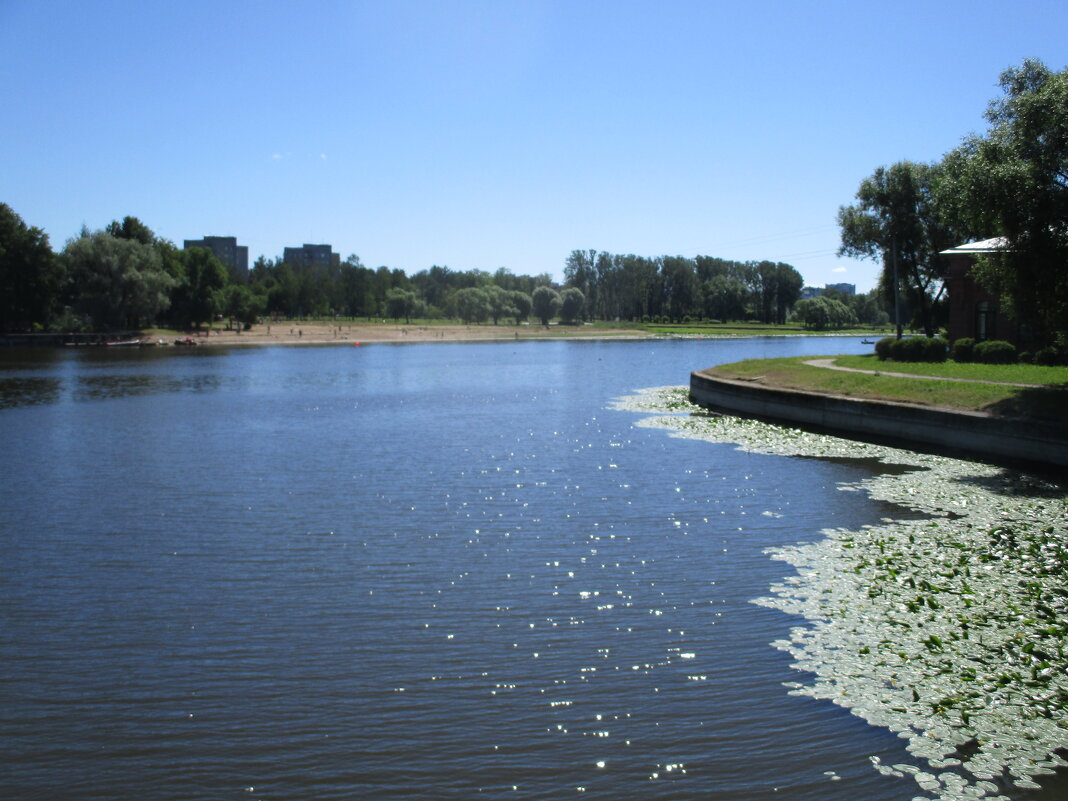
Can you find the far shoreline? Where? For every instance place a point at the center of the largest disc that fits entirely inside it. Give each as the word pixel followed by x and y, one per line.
pixel 318 332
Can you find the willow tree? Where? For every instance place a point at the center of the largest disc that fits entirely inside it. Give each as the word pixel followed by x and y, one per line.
pixel 119 283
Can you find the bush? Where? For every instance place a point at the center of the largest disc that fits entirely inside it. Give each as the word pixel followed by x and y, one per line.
pixel 1047 357
pixel 995 351
pixel 935 349
pixel 882 348
pixel 913 349
pixel 1025 357
pixel 964 349
pixel 907 350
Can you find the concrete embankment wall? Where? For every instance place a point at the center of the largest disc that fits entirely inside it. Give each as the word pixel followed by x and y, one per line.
pixel 918 428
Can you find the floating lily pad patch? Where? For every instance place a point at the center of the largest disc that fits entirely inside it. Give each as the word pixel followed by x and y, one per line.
pixel 949 627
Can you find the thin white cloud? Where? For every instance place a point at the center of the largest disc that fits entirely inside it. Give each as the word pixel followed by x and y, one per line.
pixel 276 156
pixel 840 270
pixel 322 156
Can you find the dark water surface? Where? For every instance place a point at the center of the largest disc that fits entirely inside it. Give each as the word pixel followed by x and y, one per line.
pixel 399 572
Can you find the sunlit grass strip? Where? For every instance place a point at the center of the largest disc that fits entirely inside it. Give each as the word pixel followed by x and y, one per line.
pixel 1012 373
pixel 745 329
pixel 793 373
pixel 952 632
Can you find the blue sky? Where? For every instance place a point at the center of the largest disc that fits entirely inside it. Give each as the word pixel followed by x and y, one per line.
pixel 494 134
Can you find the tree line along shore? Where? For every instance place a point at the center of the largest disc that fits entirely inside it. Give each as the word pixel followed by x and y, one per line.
pixel 124 277
pixel 1008 185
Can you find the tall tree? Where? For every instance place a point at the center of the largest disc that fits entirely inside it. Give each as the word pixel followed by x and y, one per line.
pixel 500 302
pixel 725 298
pixel 680 291
pixel 131 228
pixel 472 304
pixel 119 283
pixel 546 302
pixel 401 303
pixel 521 304
pixel 572 305
pixel 897 220
pixel 580 271
pixel 198 298
pixel 1012 182
pixel 30 276
pixel 788 285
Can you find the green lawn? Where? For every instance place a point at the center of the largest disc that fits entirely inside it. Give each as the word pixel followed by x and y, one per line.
pixel 1047 402
pixel 742 329
pixel 1013 373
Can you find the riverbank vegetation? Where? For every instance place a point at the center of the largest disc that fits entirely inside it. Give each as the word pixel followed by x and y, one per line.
pixel 947 630
pixel 1045 400
pixel 124 277
pixel 1007 185
pixel 1002 373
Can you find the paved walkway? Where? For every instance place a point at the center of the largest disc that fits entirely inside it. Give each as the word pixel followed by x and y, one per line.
pixel 830 365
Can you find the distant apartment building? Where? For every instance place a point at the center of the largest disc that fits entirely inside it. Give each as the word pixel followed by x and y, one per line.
pixel 843 289
pixel 312 256
pixel 233 256
pixel 809 292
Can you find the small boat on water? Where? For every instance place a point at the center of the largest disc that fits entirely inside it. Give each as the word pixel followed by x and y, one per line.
pixel 867 342
pixel 124 343
pixel 186 342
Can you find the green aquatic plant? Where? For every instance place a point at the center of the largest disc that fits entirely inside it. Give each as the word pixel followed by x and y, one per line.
pixel 969 609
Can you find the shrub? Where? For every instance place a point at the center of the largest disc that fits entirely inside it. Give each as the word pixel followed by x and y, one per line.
pixel 882 348
pixel 913 349
pixel 1047 357
pixel 963 349
pixel 908 350
pixel 935 349
pixel 1025 357
pixel 995 351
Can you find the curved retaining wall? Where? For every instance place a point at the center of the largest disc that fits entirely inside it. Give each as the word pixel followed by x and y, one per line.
pixel 917 428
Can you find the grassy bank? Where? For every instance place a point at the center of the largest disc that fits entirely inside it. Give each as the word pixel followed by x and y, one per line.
pixel 742 329
pixel 1008 373
pixel 1046 401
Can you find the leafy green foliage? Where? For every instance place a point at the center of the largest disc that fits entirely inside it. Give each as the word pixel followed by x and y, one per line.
pixel 402 303
pixel 1013 182
pixel 673 288
pixel 963 349
pixel 197 298
pixel 239 303
pixel 1047 357
pixel 546 303
pixel 500 302
pixel 133 229
pixel 118 283
pixel 918 349
pixel 572 305
pixel 472 304
pixel 897 218
pixel 522 305
pixel 882 347
pixel 822 313
pixel 30 277
pixel 995 351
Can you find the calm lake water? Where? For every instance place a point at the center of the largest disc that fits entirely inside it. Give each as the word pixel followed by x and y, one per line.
pixel 401 572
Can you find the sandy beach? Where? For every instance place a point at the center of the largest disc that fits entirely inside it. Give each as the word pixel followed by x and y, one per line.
pixel 324 333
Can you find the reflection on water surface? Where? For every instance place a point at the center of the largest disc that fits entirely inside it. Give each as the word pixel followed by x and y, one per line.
pixel 404 572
